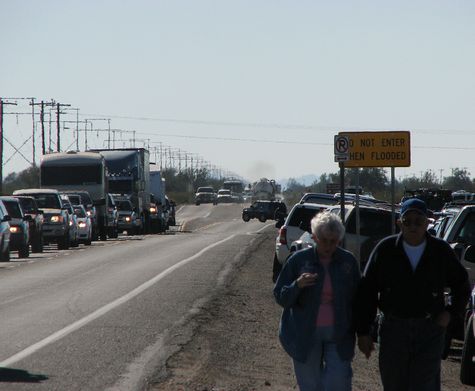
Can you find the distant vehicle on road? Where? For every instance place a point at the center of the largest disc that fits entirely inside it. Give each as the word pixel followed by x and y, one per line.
pixel 129 220
pixel 205 194
pixel 4 234
pixel 84 225
pixel 224 196
pixel 264 210
pixel 19 226
pixel 30 208
pixel 56 216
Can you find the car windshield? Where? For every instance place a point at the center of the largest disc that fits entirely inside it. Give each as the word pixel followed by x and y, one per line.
pixel 75 199
pixel 13 209
pixel 224 192
pixel 302 215
pixel 124 205
pixel 27 204
pixel 80 212
pixel 48 201
pixel 205 190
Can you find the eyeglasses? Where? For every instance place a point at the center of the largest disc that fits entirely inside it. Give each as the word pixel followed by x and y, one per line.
pixel 415 222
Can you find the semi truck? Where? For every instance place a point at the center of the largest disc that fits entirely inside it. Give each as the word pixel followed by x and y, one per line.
pixel 79 171
pixel 128 174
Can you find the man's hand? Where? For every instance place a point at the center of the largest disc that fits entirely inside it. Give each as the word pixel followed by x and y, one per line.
pixel 366 345
pixel 306 279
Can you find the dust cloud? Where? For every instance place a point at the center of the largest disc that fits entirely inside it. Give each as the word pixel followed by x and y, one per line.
pixel 260 169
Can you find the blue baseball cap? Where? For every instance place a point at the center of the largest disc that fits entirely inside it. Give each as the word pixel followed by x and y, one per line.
pixel 414 204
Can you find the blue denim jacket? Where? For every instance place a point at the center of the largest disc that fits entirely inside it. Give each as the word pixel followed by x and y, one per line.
pixel 299 316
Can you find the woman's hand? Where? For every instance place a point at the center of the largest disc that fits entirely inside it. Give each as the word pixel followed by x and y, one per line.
pixel 306 279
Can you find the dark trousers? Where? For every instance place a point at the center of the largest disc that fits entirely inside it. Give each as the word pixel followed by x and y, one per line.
pixel 410 354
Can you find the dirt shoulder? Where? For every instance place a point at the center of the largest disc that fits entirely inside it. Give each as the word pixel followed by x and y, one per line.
pixel 235 346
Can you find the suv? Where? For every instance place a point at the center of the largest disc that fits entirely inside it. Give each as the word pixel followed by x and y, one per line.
pixel 128 219
pixel 296 223
pixel 19 227
pixel 319 198
pixel 467 367
pixel 56 216
pixel 264 210
pixel 4 234
pixel 375 224
pixel 205 195
pixel 30 208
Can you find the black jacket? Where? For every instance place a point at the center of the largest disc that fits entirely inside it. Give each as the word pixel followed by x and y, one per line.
pixel 390 284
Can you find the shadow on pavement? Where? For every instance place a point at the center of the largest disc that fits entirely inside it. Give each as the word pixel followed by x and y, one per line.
pixel 12 375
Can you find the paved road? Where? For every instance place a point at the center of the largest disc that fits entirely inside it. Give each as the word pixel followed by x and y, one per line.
pixel 103 317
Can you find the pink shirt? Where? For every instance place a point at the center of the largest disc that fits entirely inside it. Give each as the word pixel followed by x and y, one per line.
pixel 326 315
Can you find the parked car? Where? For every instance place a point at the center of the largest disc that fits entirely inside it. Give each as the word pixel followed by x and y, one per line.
pixel 19 226
pixel 264 210
pixel 30 208
pixel 205 195
pixel 56 216
pixel 224 196
pixel 467 367
pixel 112 217
pixel 296 223
pixel 128 219
pixel 4 234
pixel 84 225
pixel 375 224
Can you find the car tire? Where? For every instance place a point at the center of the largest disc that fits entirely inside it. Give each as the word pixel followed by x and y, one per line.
pixel 37 245
pixel 5 255
pixel 63 243
pixel 467 367
pixel 24 252
pixel 246 217
pixel 197 203
pixel 262 218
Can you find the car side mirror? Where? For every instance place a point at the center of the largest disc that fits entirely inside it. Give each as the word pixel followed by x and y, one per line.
pixel 432 231
pixel 7 218
pixel 469 254
pixel 279 223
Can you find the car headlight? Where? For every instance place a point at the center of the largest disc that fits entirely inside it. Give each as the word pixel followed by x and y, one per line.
pixel 14 229
pixel 57 219
pixel 127 218
pixel 153 209
pixel 82 224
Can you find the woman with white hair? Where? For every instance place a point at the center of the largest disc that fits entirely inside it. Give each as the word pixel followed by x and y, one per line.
pixel 316 288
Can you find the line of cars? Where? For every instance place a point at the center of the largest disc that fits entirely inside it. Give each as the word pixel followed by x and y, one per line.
pixel 207 195
pixel 33 218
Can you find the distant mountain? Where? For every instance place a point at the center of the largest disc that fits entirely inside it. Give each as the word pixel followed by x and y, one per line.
pixel 305 180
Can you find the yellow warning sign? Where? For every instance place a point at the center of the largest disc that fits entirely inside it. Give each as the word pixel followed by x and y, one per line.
pixel 378 149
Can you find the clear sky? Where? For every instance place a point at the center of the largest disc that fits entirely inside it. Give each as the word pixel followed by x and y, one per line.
pixel 256 87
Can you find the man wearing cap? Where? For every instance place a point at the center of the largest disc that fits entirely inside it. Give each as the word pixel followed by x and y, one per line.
pixel 405 279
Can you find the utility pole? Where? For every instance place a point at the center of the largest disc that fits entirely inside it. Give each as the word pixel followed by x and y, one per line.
pixel 42 105
pixel 2 104
pixel 58 124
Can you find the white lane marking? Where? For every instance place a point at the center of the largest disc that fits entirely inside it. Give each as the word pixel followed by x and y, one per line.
pixel 103 310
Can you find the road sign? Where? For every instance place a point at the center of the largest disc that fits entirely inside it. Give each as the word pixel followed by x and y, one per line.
pixel 377 149
pixel 341 148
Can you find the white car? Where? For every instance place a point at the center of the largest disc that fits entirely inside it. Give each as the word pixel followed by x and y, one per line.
pixel 296 223
pixel 84 225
